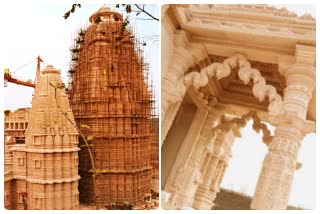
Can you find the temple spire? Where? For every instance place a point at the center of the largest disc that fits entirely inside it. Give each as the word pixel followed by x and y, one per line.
pixel 39 60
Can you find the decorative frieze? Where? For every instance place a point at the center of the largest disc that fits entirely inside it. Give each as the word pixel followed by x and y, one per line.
pixel 236 123
pixel 217 16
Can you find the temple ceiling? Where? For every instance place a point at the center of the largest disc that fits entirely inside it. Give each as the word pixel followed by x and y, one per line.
pixel 231 90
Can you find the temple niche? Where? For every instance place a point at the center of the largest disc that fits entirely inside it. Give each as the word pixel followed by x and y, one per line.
pixel 225 65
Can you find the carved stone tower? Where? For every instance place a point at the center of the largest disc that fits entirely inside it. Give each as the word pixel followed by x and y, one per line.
pixel 112 106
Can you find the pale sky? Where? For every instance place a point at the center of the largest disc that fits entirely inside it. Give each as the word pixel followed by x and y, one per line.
pixel 40 29
pixel 248 153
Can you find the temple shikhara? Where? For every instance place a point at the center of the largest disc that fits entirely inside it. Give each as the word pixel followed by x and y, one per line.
pixel 42 172
pixel 94 143
pixel 111 102
pixel 223 65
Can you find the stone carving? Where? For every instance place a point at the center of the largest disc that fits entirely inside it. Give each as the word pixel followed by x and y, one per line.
pixel 246 73
pixel 237 123
pixel 257 9
pixel 252 11
pixel 260 89
pixel 283 151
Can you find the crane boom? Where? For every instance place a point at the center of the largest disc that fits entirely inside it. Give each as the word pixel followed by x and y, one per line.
pixel 19 82
pixel 9 78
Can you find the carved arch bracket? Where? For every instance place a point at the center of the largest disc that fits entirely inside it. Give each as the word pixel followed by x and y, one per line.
pixel 246 74
pixel 238 123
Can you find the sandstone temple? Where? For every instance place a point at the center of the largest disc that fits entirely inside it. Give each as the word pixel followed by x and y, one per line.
pixel 224 65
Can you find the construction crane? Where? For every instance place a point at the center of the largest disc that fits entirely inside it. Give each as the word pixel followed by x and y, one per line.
pixel 9 78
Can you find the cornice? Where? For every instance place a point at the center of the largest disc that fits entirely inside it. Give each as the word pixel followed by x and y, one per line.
pixel 212 20
pixel 45 150
pixel 259 11
pixel 52 181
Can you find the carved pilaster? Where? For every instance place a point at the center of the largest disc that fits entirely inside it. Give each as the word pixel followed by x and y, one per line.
pixel 203 197
pixel 208 189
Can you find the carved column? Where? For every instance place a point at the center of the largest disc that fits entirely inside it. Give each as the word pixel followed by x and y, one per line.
pixel 203 198
pixel 207 191
pixel 274 185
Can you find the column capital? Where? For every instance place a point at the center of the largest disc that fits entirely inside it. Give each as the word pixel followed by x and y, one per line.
pixel 301 73
pixel 223 144
pixel 291 121
pixel 301 68
pixel 301 82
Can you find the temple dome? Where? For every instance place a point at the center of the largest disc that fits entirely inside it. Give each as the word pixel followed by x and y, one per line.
pixel 107 13
pixel 50 69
